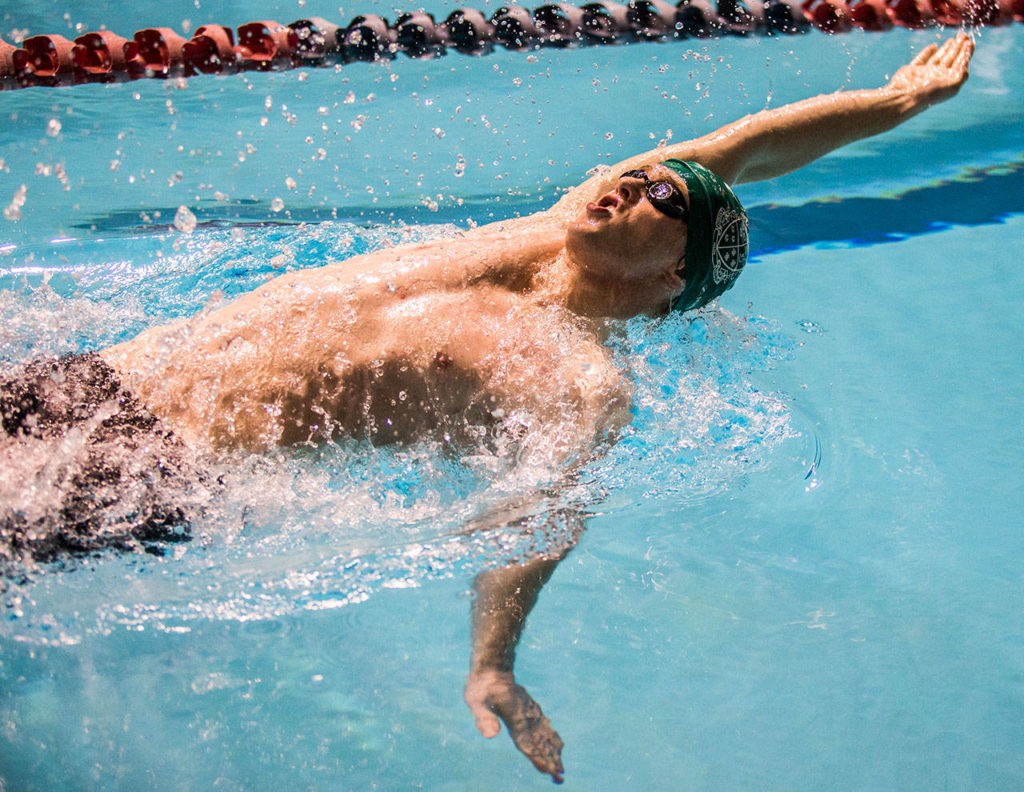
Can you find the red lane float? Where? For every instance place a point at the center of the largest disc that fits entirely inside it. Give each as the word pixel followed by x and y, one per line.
pixel 266 44
pixel 831 16
pixel 160 51
pixel 103 53
pixel 211 50
pixel 7 59
pixel 45 58
pixel 913 14
pixel 872 15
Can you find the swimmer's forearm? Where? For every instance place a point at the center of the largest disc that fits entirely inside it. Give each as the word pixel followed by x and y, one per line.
pixel 504 598
pixel 775 142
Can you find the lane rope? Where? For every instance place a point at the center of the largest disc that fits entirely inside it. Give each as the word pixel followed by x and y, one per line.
pixel 161 52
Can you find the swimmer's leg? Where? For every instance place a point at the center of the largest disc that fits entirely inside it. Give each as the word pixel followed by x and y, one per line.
pixel 504 599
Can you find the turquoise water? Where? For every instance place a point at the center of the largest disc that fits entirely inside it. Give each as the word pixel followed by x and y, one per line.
pixel 801 568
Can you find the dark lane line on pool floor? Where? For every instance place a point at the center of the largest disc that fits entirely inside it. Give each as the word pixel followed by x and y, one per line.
pixel 979 197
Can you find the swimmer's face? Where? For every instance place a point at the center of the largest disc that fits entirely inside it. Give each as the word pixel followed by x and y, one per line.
pixel 627 233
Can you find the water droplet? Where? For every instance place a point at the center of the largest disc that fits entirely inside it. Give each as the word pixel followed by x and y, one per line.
pixel 809 326
pixel 184 220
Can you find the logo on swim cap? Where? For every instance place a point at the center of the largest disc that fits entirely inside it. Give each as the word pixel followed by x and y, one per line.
pixel 729 245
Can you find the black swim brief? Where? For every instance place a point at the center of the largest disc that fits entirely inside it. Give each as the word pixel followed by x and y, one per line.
pixel 86 466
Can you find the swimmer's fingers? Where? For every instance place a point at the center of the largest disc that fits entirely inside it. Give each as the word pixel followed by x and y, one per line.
pixel 494 694
pixel 946 53
pixel 963 56
pixel 925 55
pixel 951 50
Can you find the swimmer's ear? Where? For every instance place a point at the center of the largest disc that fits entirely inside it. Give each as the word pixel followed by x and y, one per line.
pixel 673 278
pixel 672 284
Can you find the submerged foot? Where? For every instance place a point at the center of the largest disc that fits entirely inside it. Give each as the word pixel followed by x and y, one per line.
pixel 495 693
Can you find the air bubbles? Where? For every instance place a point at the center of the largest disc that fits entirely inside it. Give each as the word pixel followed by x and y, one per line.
pixel 276 205
pixel 809 326
pixel 52 127
pixel 460 167
pixel 289 183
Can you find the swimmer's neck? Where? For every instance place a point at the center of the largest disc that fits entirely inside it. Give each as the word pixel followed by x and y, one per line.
pixel 569 283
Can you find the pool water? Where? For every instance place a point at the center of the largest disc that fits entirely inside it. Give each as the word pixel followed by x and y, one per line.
pixel 801 568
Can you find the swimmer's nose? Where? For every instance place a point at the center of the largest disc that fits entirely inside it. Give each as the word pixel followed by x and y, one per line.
pixel 631 190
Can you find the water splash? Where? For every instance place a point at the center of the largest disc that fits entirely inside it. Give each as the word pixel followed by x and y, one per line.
pixel 322 528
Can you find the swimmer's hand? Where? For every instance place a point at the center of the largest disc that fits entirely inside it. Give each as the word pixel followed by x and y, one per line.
pixel 937 73
pixel 490 693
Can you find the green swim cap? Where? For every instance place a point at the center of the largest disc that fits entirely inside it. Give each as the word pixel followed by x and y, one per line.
pixel 716 236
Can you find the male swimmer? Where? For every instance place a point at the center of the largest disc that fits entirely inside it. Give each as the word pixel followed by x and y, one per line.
pixel 499 328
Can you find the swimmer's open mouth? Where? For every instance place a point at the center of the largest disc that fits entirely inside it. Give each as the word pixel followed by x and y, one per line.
pixel 606 204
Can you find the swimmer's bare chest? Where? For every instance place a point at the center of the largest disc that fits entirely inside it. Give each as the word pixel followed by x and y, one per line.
pixel 406 359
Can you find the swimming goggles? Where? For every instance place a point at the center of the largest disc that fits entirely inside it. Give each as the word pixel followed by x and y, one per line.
pixel 663 195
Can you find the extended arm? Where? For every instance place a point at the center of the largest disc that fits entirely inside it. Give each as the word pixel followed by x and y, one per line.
pixel 775 142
